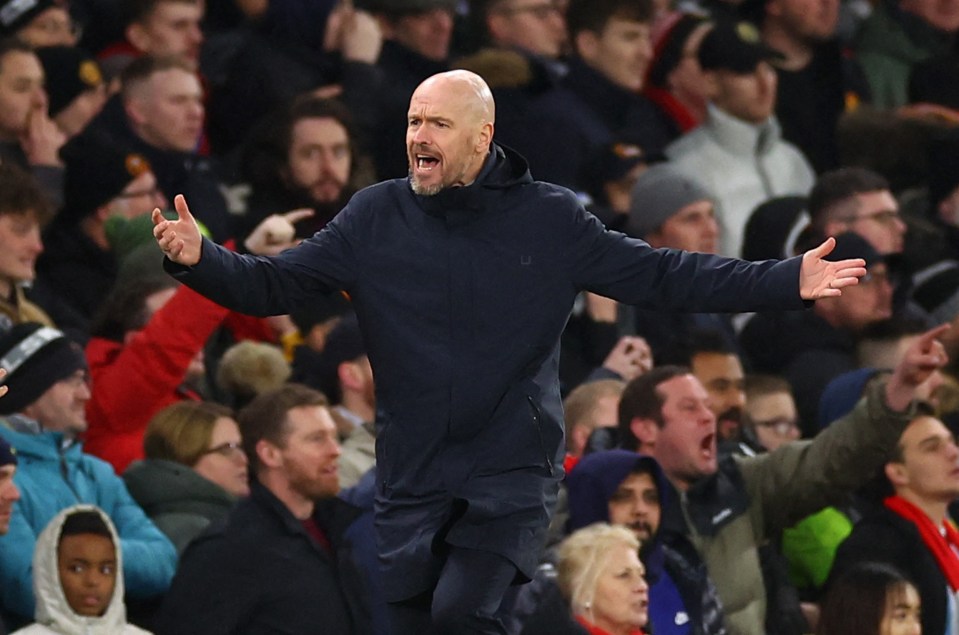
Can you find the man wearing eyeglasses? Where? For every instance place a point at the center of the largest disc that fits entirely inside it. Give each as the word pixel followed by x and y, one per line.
pixel 857 200
pixel 42 416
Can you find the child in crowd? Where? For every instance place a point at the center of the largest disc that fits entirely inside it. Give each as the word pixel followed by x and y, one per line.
pixel 871 599
pixel 77 577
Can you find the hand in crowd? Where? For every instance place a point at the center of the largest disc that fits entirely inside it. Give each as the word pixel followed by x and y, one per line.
pixel 180 240
pixel 355 34
pixel 819 278
pixel 275 233
pixel 43 139
pixel 924 357
pixel 630 358
pixel 3 389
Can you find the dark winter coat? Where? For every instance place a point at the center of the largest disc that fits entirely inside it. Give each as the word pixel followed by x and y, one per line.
pixel 261 572
pixel 462 298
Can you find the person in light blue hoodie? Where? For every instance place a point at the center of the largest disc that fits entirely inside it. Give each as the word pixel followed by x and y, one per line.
pixel 41 417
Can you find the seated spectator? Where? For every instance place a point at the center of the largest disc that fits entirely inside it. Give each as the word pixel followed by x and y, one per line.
pixel 28 137
pixel 44 416
pixel 896 36
pixel 871 599
pixel 162 119
pixel 39 22
pixel 280 562
pixel 305 156
pixel 23 211
pixel 417 35
pixel 910 527
pixel 675 80
pixel 9 494
pixel 74 85
pixel 249 368
pixel 816 345
pixel 159 28
pixel 78 576
pixel 738 153
pixel 630 490
pixel 79 265
pixel 669 209
pixel 193 472
pixel 589 406
pixel 602 579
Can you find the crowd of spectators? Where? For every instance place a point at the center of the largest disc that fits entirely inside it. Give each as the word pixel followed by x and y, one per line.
pixel 224 464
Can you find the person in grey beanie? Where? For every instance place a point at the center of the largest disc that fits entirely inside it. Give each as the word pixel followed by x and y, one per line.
pixel 669 209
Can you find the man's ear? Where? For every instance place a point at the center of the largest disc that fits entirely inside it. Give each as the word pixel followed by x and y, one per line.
pixel 645 430
pixel 896 473
pixel 587 44
pixel 268 454
pixel 137 36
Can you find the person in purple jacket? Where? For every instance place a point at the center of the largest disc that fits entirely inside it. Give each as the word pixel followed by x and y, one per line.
pixel 463 276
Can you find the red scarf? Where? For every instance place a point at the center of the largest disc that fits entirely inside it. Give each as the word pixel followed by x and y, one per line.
pixel 595 630
pixel 941 547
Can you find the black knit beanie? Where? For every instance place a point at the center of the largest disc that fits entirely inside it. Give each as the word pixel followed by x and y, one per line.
pixel 35 358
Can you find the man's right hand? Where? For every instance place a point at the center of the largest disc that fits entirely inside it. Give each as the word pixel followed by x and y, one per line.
pixel 925 356
pixel 180 240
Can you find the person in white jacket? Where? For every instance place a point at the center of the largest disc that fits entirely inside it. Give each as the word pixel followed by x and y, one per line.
pixel 78 577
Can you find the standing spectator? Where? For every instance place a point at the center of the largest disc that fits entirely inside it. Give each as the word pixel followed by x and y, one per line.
pixel 589 406
pixel 738 153
pixel 193 472
pixel 281 561
pixel 43 419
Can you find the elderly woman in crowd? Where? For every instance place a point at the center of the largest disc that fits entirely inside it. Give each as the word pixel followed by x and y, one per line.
pixel 601 577
pixel 194 470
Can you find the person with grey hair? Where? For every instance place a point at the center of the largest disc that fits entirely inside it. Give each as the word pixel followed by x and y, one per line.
pixel 603 580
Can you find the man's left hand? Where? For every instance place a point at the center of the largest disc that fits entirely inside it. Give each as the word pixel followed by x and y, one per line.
pixel 820 278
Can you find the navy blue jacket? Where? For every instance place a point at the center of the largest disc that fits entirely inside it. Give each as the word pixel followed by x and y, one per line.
pixel 462 298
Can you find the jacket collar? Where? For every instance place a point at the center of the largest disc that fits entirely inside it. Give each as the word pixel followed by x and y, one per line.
pixel 710 504
pixel 740 137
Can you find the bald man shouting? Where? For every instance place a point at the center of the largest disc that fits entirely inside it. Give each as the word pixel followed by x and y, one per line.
pixel 463 276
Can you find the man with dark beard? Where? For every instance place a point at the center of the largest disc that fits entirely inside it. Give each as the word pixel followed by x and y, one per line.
pixel 718 368
pixel 304 156
pixel 281 562
pixel 629 489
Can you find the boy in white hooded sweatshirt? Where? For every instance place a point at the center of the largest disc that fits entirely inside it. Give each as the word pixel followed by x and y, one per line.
pixel 77 577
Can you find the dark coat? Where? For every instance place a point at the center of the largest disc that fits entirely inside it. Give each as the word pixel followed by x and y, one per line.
pixel 180 502
pixel 261 572
pixel 462 298
pixel 884 536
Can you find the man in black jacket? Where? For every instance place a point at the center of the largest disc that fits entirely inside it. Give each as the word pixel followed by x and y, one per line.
pixel 463 277
pixel 281 562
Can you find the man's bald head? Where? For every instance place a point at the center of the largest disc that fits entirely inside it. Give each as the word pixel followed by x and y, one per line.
pixel 473 89
pixel 449 131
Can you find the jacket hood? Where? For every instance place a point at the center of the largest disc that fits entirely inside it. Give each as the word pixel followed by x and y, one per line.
pixel 160 486
pixel 504 168
pixel 53 610
pixel 597 476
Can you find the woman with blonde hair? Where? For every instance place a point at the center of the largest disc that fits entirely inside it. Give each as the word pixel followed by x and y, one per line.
pixel 600 575
pixel 194 471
